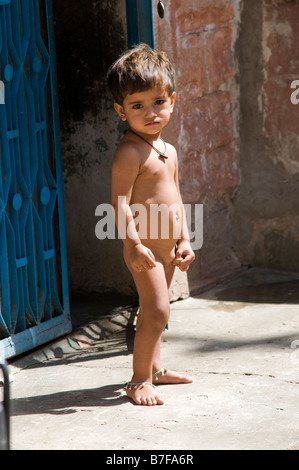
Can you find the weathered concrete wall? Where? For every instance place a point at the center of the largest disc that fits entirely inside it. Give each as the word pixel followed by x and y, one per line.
pixel 89 37
pixel 203 129
pixel 200 38
pixel 234 126
pixel 266 207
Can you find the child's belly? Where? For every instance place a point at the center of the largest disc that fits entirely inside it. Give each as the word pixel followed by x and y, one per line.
pixel 157 212
pixel 158 225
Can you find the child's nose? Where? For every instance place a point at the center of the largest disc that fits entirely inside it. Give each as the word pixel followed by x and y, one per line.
pixel 150 112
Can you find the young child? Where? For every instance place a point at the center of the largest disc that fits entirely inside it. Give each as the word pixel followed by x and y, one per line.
pixel 145 175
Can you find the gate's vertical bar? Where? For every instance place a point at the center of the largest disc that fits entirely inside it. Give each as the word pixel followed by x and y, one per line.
pixel 57 150
pixel 140 22
pixel 5 439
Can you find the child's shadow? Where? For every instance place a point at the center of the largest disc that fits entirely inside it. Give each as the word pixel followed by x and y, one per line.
pixel 68 401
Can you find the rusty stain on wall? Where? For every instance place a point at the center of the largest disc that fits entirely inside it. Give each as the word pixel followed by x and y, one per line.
pixel 266 206
pixel 234 126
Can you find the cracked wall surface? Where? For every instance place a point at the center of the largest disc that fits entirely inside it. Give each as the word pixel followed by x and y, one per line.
pixel 265 228
pixel 234 126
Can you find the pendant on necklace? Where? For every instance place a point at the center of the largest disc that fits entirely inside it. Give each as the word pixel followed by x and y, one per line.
pixel 161 154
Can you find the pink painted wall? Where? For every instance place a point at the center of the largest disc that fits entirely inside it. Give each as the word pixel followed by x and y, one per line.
pixel 234 126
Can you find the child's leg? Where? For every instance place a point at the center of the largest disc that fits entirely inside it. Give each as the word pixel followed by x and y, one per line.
pixel 169 271
pixel 154 304
pixel 168 376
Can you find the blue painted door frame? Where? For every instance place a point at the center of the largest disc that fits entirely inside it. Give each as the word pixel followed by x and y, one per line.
pixel 140 22
pixel 34 299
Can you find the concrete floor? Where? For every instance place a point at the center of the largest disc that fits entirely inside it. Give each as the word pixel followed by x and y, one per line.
pixel 239 341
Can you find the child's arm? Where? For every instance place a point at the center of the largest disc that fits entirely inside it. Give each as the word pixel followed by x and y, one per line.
pixel 184 253
pixel 125 169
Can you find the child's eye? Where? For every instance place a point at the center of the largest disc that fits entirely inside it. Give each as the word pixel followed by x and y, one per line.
pixel 137 106
pixel 160 102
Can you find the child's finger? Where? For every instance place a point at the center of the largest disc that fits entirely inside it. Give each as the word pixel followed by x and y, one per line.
pixel 150 264
pixel 184 264
pixel 151 260
pixel 188 258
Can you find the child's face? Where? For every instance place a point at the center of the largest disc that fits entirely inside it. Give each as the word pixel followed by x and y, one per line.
pixel 147 112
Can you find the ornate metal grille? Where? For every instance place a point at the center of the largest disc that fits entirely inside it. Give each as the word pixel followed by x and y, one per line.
pixel 34 301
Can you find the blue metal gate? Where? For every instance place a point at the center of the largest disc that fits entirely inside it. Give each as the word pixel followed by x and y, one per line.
pixel 34 300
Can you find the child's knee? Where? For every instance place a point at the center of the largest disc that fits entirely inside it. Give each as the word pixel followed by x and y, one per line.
pixel 160 316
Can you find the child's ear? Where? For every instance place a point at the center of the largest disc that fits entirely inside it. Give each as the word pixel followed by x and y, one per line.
pixel 120 111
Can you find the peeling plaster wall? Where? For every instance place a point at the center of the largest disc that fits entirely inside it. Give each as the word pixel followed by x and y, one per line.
pixel 266 207
pixel 200 38
pixel 234 127
pixel 89 37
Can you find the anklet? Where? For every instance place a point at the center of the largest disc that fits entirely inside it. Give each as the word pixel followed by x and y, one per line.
pixel 132 385
pixel 161 371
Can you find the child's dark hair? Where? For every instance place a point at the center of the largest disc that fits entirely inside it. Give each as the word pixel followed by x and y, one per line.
pixel 140 69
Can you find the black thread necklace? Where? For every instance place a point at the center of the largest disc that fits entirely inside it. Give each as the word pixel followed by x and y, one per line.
pixel 161 154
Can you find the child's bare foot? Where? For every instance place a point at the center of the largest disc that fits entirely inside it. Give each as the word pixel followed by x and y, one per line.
pixel 143 393
pixel 167 376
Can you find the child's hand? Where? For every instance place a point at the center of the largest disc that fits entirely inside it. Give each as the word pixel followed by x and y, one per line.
pixel 184 256
pixel 142 258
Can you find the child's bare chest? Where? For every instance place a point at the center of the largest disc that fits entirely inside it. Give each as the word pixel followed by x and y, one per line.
pixel 156 183
pixel 157 169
